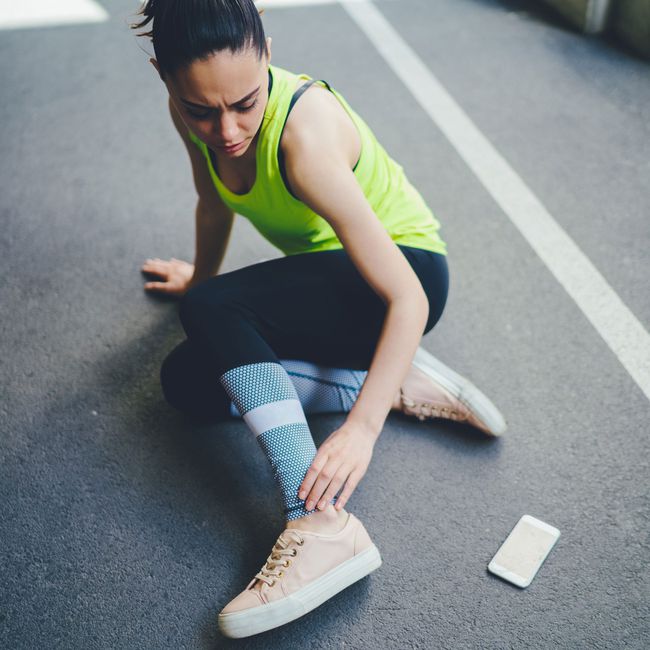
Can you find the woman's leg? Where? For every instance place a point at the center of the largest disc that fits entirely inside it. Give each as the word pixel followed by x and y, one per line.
pixel 187 377
pixel 314 307
pixel 188 384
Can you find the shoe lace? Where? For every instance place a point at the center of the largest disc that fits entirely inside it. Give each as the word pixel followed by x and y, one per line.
pixel 423 410
pixel 271 572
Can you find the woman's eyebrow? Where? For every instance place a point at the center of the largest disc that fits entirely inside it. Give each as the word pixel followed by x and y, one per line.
pixel 243 99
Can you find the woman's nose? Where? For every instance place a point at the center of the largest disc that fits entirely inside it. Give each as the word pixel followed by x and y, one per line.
pixel 227 129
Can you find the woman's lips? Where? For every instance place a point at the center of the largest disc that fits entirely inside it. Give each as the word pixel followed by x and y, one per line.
pixel 232 147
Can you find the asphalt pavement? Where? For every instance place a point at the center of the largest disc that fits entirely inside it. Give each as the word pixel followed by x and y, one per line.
pixel 123 525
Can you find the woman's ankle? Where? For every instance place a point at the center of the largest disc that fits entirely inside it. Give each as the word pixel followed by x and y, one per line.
pixel 326 520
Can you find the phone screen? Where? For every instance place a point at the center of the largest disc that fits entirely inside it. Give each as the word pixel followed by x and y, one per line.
pixel 525 549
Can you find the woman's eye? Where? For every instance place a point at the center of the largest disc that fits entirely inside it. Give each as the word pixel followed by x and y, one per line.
pixel 197 115
pixel 240 109
pixel 243 109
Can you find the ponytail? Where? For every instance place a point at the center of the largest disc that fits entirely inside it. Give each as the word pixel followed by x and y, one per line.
pixel 183 31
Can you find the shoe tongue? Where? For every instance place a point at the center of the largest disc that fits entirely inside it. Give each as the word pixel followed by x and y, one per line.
pixel 300 530
pixel 285 539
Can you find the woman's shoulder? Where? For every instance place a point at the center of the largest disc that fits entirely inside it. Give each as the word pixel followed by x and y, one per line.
pixel 318 117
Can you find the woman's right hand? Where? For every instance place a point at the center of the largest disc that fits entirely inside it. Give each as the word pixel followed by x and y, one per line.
pixel 175 276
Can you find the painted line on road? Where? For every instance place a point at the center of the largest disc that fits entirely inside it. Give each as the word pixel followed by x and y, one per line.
pixel 615 323
pixel 15 14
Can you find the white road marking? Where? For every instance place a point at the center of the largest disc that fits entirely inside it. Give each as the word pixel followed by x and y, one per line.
pixel 597 12
pixel 617 325
pixel 15 14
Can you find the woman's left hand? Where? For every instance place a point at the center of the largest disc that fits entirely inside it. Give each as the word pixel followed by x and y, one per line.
pixel 342 458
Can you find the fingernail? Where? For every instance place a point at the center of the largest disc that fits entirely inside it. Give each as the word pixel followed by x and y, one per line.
pixel 310 505
pixel 301 495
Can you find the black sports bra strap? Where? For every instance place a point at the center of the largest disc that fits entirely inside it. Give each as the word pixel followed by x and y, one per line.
pixel 302 89
pixel 294 99
pixel 299 92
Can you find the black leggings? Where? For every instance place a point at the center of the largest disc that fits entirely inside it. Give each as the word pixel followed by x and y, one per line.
pixel 314 306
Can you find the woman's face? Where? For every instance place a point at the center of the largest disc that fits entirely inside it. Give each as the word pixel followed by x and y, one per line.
pixel 222 99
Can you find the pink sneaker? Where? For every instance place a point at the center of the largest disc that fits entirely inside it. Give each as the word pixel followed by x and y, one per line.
pixel 432 390
pixel 303 570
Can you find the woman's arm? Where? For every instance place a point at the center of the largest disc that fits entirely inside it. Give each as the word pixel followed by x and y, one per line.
pixel 327 184
pixel 213 223
pixel 320 175
pixel 213 218
pixel 212 237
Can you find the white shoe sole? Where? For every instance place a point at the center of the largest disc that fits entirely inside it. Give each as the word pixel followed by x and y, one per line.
pixel 265 617
pixel 463 389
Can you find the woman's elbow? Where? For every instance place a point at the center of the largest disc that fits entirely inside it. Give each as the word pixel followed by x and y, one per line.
pixel 415 302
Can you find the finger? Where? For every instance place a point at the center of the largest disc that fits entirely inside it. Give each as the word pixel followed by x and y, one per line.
pixel 350 487
pixel 158 286
pixel 312 473
pixel 155 267
pixel 334 486
pixel 163 275
pixel 157 264
pixel 324 478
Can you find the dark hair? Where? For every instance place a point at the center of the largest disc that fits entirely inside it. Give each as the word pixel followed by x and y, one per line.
pixel 186 30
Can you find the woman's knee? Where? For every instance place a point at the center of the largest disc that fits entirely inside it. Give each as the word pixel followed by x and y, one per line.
pixel 207 302
pixel 190 387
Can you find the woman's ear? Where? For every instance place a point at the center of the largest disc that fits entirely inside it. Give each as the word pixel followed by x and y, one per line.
pixel 268 48
pixel 155 65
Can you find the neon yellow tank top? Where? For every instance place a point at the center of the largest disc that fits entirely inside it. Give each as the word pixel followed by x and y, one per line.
pixel 292 226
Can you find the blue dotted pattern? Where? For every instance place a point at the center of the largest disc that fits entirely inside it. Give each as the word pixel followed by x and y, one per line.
pixel 321 389
pixel 290 450
pixel 289 447
pixel 256 384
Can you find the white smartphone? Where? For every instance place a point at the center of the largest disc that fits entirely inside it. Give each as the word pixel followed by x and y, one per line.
pixel 524 550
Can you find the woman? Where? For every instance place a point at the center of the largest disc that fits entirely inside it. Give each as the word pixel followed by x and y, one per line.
pixel 332 326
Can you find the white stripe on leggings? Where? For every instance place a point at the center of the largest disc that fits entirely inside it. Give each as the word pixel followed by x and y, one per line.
pixel 274 414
